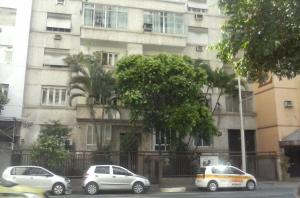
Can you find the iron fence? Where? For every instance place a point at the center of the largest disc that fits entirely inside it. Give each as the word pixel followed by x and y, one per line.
pixel 152 164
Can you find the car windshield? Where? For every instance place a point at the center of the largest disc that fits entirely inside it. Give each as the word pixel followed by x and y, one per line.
pixel 201 170
pixel 6 183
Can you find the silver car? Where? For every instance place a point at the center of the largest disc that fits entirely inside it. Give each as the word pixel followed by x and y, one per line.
pixel 39 177
pixel 112 177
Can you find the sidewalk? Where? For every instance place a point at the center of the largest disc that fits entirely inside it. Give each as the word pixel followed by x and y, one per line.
pixel 76 186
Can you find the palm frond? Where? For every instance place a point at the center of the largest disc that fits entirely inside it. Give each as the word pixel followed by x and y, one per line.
pixel 75 95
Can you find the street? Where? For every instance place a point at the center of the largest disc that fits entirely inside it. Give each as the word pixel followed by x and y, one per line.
pixel 272 191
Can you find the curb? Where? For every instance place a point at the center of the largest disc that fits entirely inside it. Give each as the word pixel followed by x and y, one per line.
pixel 174 189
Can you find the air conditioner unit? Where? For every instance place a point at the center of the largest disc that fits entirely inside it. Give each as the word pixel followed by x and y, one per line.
pixel 57 37
pixel 199 48
pixel 60 2
pixel 288 104
pixel 147 27
pixel 198 17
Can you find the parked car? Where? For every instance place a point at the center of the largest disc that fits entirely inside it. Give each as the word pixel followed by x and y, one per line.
pixel 111 177
pixel 38 177
pixel 215 177
pixel 10 189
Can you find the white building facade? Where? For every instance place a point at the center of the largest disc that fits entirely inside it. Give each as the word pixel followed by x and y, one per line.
pixel 14 34
pixel 117 28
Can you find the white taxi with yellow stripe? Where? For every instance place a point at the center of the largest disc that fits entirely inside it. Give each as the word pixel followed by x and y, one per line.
pixel 215 177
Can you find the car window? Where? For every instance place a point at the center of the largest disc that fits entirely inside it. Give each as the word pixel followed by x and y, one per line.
pixel 18 171
pixel 37 171
pixel 215 170
pixel 236 171
pixel 102 170
pixel 201 170
pixel 120 171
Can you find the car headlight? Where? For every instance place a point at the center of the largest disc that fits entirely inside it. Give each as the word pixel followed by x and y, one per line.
pixel 67 180
pixel 32 195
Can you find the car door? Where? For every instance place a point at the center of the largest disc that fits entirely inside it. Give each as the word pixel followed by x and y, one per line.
pixel 236 177
pixel 103 177
pixel 19 175
pixel 122 178
pixel 40 178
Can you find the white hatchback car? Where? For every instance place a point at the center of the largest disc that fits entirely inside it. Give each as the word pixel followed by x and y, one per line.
pixel 215 177
pixel 36 176
pixel 111 177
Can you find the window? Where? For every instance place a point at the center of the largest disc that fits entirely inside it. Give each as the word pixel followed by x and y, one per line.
pixel 232 102
pixel 54 96
pixel 201 141
pixel 35 171
pixel 102 170
pixel 164 138
pixel 18 171
pixel 164 22
pixel 120 171
pixel 60 2
pixel 197 36
pixel 105 16
pixel 4 89
pixel 103 130
pixel 59 22
pixel 91 136
pixel 109 58
pixel 6 52
pixel 7 16
pixel 197 7
pixel 55 57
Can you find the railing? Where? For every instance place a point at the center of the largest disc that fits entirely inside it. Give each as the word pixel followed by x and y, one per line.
pixel 170 164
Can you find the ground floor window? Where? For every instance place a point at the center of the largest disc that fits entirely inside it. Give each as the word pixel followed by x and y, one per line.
pixel 202 141
pixel 104 134
pixel 164 138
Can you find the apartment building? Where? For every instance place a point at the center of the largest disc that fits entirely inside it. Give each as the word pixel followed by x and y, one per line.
pixel 278 120
pixel 120 28
pixel 14 34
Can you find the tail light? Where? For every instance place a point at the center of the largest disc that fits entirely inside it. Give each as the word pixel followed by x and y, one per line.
pixel 85 175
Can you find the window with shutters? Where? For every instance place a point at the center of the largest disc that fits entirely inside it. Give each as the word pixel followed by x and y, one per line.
pixel 55 57
pixel 59 22
pixel 7 16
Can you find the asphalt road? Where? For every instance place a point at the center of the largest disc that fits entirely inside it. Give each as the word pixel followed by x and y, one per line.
pixel 274 192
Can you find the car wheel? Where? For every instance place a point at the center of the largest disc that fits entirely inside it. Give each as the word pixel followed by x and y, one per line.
pixel 212 186
pixel 138 188
pixel 58 189
pixel 91 188
pixel 250 185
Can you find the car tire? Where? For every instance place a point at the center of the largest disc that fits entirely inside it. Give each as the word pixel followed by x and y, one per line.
pixel 58 189
pixel 91 188
pixel 138 188
pixel 212 186
pixel 250 185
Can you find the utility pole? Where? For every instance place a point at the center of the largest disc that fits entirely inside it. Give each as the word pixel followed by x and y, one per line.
pixel 244 167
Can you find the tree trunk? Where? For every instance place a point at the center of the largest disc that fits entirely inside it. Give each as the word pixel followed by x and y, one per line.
pixel 217 102
pixel 98 139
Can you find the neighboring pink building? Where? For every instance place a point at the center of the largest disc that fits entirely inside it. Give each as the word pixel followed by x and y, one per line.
pixel 278 119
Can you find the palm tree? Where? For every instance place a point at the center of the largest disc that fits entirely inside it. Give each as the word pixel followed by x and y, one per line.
pixel 90 80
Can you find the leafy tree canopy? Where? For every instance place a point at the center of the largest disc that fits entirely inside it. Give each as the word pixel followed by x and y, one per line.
pixel 50 147
pixel 266 33
pixel 165 90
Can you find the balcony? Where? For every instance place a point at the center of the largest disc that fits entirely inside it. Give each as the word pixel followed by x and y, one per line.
pixel 146 38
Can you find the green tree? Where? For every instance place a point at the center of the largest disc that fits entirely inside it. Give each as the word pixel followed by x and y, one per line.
pixel 3 101
pixel 164 91
pixel 50 147
pixel 261 37
pixel 90 80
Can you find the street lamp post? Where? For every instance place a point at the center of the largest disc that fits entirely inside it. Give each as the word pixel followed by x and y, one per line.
pixel 244 167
